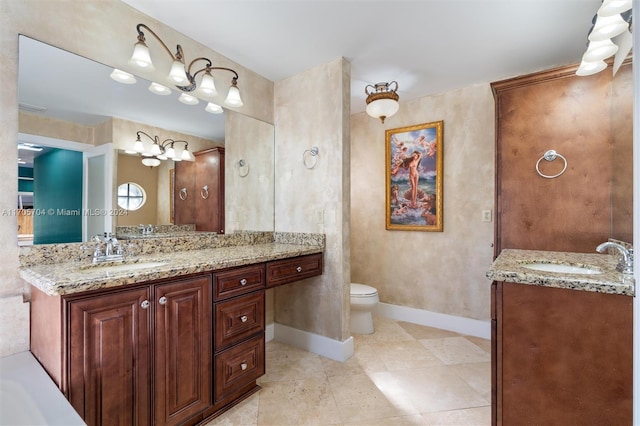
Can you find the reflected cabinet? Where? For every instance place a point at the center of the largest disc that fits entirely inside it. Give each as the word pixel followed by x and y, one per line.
pixel 199 191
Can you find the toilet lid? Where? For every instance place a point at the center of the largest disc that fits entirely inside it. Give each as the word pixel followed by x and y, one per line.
pixel 359 290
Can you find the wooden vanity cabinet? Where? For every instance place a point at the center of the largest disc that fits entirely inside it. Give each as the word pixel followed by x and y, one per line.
pixel 286 271
pixel 561 356
pixel 199 191
pixel 124 353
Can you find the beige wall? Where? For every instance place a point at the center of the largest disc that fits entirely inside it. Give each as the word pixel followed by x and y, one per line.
pixel 436 271
pixel 131 169
pixel 101 30
pixel 305 119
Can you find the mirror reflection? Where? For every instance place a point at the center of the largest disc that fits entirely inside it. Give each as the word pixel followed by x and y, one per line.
pixel 76 109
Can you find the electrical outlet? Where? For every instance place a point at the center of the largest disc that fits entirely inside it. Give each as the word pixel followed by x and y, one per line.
pixel 486 215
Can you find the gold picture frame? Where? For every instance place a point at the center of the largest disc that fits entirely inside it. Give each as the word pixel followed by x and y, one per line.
pixel 414 172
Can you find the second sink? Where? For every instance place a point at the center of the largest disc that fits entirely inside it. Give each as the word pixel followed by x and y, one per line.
pixel 562 268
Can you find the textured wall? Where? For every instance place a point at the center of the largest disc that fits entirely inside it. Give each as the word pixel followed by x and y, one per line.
pixel 312 109
pixel 131 169
pixel 102 30
pixel 435 271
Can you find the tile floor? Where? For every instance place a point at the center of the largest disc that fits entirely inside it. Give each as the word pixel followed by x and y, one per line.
pixel 403 374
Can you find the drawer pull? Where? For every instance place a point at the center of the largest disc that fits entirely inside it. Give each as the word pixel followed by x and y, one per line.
pixel 299 269
pixel 243 281
pixel 243 366
pixel 145 304
pixel 243 318
pixel 162 300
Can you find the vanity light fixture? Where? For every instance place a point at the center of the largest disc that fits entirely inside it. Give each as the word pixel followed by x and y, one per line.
pixel 612 19
pixel 164 150
pixel 382 100
pixel 184 77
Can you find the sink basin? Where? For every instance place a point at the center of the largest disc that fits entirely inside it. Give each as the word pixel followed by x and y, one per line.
pixel 125 266
pixel 562 268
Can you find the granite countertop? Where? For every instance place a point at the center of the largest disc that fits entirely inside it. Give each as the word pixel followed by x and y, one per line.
pixel 508 266
pixel 75 277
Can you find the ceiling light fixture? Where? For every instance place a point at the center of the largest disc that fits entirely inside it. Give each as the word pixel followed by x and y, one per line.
pixel 382 101
pixel 164 150
pixel 29 147
pixel 182 76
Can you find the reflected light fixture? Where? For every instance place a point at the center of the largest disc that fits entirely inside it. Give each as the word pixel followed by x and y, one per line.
pixel 164 150
pixel 182 76
pixel 382 100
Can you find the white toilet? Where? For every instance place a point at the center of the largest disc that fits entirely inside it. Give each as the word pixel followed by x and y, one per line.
pixel 364 299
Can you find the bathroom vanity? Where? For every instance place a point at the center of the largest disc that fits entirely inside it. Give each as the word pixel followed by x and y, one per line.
pixel 561 339
pixel 173 338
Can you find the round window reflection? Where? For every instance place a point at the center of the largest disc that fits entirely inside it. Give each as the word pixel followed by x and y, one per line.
pixel 131 196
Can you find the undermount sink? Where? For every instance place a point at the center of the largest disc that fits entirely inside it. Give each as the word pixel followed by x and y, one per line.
pixel 562 268
pixel 125 266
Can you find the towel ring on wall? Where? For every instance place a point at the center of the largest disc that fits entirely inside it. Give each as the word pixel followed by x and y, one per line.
pixel 551 155
pixel 313 152
pixel 243 168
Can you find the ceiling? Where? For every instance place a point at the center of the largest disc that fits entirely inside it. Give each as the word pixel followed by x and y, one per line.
pixel 427 46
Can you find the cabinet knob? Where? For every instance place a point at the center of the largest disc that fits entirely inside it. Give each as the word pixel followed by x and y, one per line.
pixel 243 281
pixel 243 318
pixel 243 366
pixel 299 269
pixel 162 300
pixel 144 304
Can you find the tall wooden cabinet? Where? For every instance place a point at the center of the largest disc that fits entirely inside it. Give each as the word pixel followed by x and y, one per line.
pixel 199 191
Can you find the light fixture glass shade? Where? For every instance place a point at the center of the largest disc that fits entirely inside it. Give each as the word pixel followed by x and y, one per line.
pixel 213 108
pixel 177 75
pixel 233 97
pixel 187 155
pixel 614 7
pixel 382 108
pixel 170 152
pixel 122 76
pixel 155 149
pixel 589 68
pixel 159 89
pixel 608 27
pixel 599 50
pixel 207 86
pixel 188 99
pixel 141 58
pixel 151 162
pixel 130 151
pixel 138 146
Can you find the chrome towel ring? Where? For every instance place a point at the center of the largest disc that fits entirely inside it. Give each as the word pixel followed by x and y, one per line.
pixel 243 168
pixel 312 153
pixel 551 155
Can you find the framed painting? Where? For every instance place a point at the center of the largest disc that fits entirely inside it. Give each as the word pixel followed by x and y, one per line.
pixel 414 157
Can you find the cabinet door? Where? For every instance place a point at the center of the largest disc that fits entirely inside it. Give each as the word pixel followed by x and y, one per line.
pixel 182 349
pixel 184 196
pixel 109 358
pixel 209 178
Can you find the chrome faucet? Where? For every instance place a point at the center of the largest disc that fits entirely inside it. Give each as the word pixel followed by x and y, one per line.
pixel 111 244
pixel 146 230
pixel 625 263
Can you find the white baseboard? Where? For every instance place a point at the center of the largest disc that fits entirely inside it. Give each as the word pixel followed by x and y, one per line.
pixel 468 326
pixel 269 332
pixel 321 345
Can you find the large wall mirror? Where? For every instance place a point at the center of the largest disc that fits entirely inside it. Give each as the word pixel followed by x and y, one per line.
pixel 75 124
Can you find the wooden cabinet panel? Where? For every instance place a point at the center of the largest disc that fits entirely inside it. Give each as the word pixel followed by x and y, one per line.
pixel 238 281
pixel 182 349
pixel 209 181
pixel 238 366
pixel 289 270
pixel 109 346
pixel 562 356
pixel 184 193
pixel 238 319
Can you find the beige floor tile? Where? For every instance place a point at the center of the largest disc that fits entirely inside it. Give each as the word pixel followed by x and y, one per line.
pixel 485 344
pixel 284 362
pixel 359 399
pixel 243 414
pixel 477 375
pixel 418 331
pixel 405 354
pixel 479 416
pixel 348 368
pixel 386 330
pixel 437 389
pixel 415 419
pixel 299 402
pixel 370 359
pixel 456 350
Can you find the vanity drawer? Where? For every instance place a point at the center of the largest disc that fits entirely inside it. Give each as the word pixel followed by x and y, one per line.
pixel 238 366
pixel 289 270
pixel 238 281
pixel 237 319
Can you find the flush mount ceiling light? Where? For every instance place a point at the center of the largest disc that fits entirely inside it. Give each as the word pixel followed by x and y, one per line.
pixel 382 100
pixel 182 76
pixel 123 77
pixel 164 150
